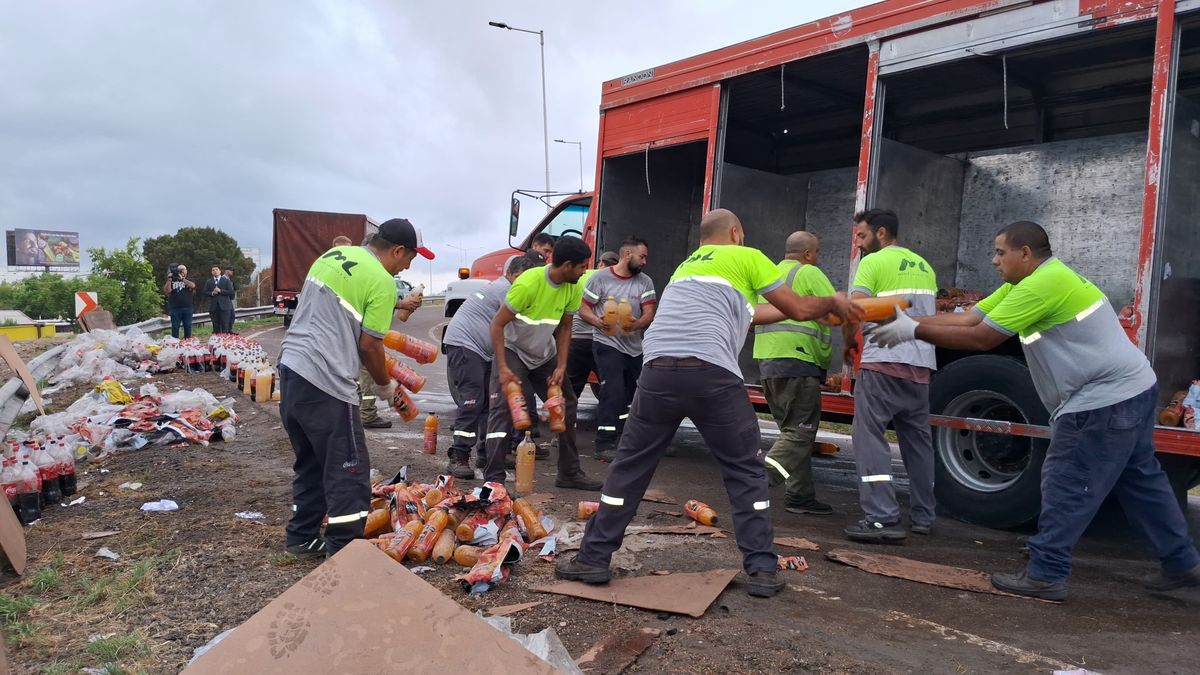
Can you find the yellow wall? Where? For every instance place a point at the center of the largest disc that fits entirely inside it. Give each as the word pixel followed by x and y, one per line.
pixel 22 333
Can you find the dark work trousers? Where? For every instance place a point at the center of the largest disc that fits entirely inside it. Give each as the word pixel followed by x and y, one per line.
pixel 500 426
pixel 1095 453
pixel 469 373
pixel 618 373
pixel 715 400
pixel 880 398
pixel 579 364
pixel 795 404
pixel 228 316
pixel 332 467
pixel 181 317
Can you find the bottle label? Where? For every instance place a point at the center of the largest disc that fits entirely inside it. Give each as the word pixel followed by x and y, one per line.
pixel 48 472
pixel 10 491
pixel 555 402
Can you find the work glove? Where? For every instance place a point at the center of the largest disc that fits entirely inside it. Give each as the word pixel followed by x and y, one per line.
pixel 892 333
pixel 385 392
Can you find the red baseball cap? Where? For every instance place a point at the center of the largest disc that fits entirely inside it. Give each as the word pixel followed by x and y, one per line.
pixel 401 232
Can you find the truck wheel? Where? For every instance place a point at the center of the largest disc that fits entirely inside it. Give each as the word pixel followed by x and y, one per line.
pixel 983 478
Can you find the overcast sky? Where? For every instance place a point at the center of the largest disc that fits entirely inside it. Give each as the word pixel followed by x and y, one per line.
pixel 134 118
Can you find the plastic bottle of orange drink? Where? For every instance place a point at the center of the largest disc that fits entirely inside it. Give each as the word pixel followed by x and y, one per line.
pixel 526 451
pixel 417 350
pixel 516 406
pixel 700 512
pixel 556 408
pixel 624 315
pixel 429 446
pixel 407 377
pixel 874 309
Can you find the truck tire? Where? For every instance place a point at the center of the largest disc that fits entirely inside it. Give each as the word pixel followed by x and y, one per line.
pixel 988 479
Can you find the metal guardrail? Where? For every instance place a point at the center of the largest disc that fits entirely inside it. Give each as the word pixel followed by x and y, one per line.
pixel 164 322
pixel 14 393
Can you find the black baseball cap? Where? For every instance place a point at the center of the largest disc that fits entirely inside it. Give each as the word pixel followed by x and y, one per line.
pixel 610 258
pixel 400 232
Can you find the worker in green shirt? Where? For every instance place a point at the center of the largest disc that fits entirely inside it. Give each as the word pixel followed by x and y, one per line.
pixel 793 357
pixel 1101 393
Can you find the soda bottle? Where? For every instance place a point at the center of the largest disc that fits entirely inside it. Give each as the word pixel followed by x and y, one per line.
pixel 443 550
pixel 417 293
pixel 417 350
pixel 516 406
pixel 610 316
pixel 262 385
pixel 407 377
pixel 399 546
pixel 435 521
pixel 429 446
pixel 29 492
pixel 246 378
pixel 624 314
pixel 48 470
pixel 467 555
pixel 525 464
pixel 874 309
pixel 586 510
pixel 403 404
pixel 465 530
pixel 66 466
pixel 528 520
pixel 9 479
pixel 556 408
pixel 700 512
pixel 1172 415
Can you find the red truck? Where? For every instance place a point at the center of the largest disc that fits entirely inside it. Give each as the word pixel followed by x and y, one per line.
pixel 963 116
pixel 301 236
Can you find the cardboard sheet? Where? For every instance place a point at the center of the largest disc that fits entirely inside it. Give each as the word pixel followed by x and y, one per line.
pixel 617 652
pixel 505 610
pixel 12 538
pixel 658 496
pixel 690 528
pixel 685 593
pixel 921 572
pixel 18 366
pixel 98 319
pixel 360 612
pixel 797 542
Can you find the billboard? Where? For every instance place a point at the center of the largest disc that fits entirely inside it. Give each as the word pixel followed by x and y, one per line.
pixel 43 248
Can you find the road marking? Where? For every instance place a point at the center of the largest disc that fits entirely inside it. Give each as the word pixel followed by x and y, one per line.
pixel 805 589
pixel 266 330
pixel 948 633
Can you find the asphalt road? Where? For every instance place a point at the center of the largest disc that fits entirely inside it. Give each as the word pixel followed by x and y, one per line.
pixel 1108 624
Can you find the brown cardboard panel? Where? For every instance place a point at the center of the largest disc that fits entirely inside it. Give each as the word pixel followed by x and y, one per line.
pixel 685 593
pixel 505 610
pixel 689 528
pixel 12 538
pixel 360 612
pixel 797 542
pixel 921 572
pixel 617 652
pixel 98 319
pixel 18 366
pixel 658 496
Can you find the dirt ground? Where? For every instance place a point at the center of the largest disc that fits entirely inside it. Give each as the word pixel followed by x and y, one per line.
pixel 186 576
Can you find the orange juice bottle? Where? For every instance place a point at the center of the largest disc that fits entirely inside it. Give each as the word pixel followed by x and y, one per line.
pixel 587 510
pixel 443 550
pixel 700 512
pixel 624 315
pixel 417 350
pixel 516 406
pixel 556 408
pixel 407 377
pixel 429 446
pixel 417 293
pixel 403 541
pixel 467 555
pixel 525 464
pixel 403 404
pixel 610 316
pixel 528 520
pixel 874 309
pixel 435 521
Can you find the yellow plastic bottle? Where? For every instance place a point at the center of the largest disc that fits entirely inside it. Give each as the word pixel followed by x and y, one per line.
pixel 610 316
pixel 525 464
pixel 624 315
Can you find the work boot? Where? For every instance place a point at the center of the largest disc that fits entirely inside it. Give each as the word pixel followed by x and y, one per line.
pixel 573 570
pixel 579 481
pixel 918 528
pixel 481 460
pixel 311 549
pixel 542 451
pixel 873 532
pixel 809 506
pixel 377 423
pixel 605 454
pixel 1023 584
pixel 1161 581
pixel 460 468
pixel 764 584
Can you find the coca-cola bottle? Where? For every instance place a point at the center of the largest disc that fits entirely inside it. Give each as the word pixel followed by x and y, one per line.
pixel 66 465
pixel 47 466
pixel 29 491
pixel 8 479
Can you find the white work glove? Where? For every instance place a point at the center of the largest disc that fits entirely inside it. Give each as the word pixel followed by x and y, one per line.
pixel 892 333
pixel 385 392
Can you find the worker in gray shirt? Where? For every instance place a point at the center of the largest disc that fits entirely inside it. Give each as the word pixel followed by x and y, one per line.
pixel 468 345
pixel 617 340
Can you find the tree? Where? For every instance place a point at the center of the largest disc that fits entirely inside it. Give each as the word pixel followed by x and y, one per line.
pixel 139 294
pixel 45 296
pixel 199 248
pixel 249 294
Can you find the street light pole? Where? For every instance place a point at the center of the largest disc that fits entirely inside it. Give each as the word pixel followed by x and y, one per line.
pixel 578 146
pixel 545 119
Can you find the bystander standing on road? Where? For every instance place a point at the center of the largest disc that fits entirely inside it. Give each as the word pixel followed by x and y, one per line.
pixel 691 371
pixel 180 292
pixel 793 357
pixel 1101 393
pixel 219 291
pixel 229 311
pixel 345 310
pixel 617 348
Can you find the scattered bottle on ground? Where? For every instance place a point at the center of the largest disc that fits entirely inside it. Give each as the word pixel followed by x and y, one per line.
pixel 587 510
pixel 526 452
pixel 429 446
pixel 700 512
pixel 29 491
pixel 436 520
pixel 528 520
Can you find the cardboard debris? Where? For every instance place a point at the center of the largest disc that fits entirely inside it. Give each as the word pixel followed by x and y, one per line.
pixel 539 498
pixel 18 366
pixel 99 535
pixel 617 652
pixel 505 610
pixel 658 496
pixel 682 593
pixel 690 528
pixel 12 538
pixel 98 319
pixel 360 612
pixel 921 572
pixel 797 542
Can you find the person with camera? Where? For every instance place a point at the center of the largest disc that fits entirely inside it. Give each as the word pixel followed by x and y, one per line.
pixel 179 291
